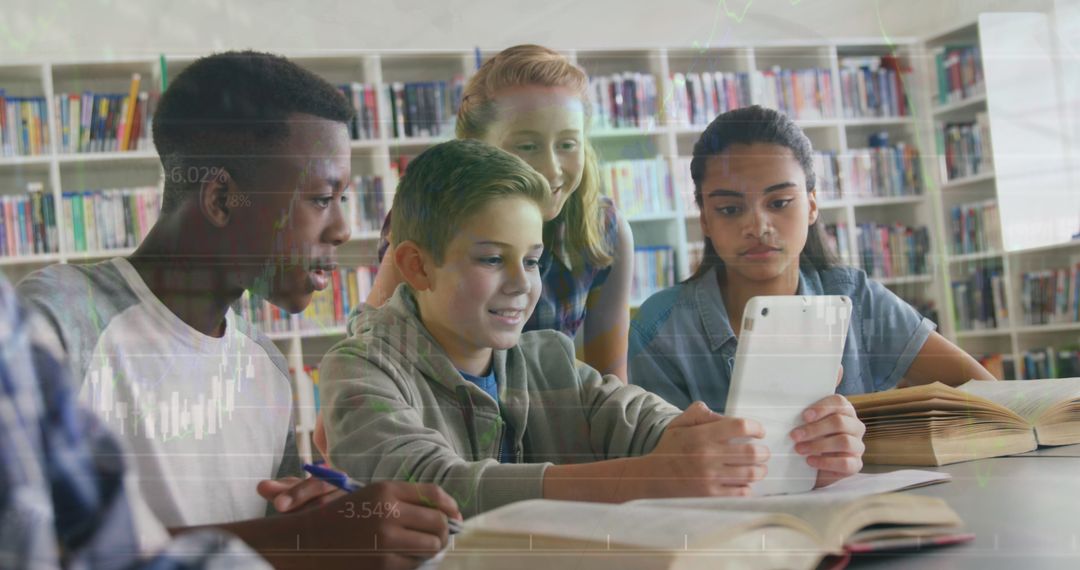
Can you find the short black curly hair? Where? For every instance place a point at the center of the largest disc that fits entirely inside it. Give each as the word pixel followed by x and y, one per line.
pixel 228 109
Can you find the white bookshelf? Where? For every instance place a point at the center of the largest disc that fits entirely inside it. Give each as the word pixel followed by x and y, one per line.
pixel 1015 338
pixel 676 228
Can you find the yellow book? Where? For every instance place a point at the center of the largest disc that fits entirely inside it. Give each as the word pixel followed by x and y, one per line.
pixel 129 112
pixel 935 424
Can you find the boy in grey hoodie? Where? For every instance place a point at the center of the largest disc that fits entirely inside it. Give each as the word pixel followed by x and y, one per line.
pixel 440 385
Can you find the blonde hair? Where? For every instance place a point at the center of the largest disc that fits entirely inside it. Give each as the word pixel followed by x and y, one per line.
pixel 526 65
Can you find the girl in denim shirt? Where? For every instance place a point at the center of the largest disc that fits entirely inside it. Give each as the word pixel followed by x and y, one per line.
pixel 754 184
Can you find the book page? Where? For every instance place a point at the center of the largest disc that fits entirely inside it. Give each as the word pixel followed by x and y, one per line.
pixel 624 526
pixel 899 480
pixel 820 507
pixel 1028 398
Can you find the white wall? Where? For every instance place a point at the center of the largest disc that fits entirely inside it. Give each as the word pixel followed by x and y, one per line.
pixel 93 29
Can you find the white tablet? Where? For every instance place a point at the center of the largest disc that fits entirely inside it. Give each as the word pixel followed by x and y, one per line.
pixel 788 357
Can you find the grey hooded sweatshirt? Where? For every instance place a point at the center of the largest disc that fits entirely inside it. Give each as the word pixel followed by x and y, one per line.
pixel 395 407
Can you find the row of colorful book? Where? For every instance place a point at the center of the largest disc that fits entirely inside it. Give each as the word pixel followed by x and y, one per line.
pixel 979 299
pixel 894 250
pixel 1050 362
pixel 873 87
pixel 926 307
pixel 878 172
pixel 1002 366
pixel 639 186
pixel 623 100
pixel 836 239
pixel 106 122
pixel 697 98
pixel 313 374
pixel 24 127
pixel 683 184
pixel 959 73
pixel 28 223
pixel 330 308
pixel 99 220
pixel 965 148
pixel 425 108
pixel 695 253
pixel 975 227
pixel 365 101
pixel 267 317
pixel 654 270
pixel 804 94
pixel 1051 296
pixel 369 204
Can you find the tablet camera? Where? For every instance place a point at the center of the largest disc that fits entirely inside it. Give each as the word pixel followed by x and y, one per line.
pixel 765 312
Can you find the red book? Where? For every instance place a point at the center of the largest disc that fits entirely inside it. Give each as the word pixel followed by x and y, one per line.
pixel 335 283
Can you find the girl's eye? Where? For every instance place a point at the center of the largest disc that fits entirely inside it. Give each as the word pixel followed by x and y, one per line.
pixel 323 201
pixel 493 260
pixel 525 147
pixel 727 210
pixel 532 262
pixel 781 204
pixel 569 145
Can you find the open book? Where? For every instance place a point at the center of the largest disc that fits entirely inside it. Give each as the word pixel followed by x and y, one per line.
pixel 935 424
pixel 782 531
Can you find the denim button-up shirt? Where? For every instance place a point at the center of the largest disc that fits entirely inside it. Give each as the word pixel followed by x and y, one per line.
pixel 682 346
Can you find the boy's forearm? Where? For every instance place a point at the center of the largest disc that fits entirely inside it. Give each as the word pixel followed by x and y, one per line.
pixel 610 481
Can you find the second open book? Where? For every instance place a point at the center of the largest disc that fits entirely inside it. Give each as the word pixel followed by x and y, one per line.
pixel 785 531
pixel 936 424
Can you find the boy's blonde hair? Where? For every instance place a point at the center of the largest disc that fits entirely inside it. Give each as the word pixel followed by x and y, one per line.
pixel 522 66
pixel 450 182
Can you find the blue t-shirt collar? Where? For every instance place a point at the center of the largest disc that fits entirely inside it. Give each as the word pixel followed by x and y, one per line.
pixel 709 303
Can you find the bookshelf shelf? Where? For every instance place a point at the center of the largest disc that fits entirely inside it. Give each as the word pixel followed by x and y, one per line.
pixel 130 155
pixel 653 217
pixel 890 201
pixel 415 142
pixel 984 333
pixel 905 279
pixel 968 180
pixel 978 256
pixel 879 122
pixel 965 105
pixel 623 133
pixel 1049 328
pixel 40 259
pixel 36 160
pixel 817 123
pixel 832 204
pixel 367 144
pixel 321 332
pixel 100 254
pixel 373 235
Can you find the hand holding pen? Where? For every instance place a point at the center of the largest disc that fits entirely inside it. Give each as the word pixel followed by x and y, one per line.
pixel 382 509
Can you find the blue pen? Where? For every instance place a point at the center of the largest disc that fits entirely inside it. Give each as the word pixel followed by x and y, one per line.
pixel 350 485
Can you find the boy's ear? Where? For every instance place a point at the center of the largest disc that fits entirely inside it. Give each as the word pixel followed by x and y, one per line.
pixel 413 263
pixel 216 196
